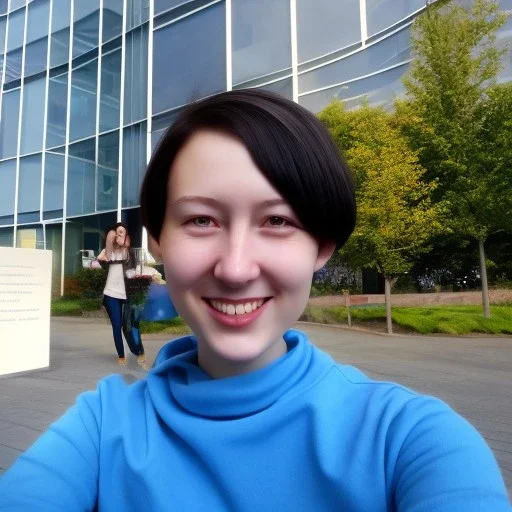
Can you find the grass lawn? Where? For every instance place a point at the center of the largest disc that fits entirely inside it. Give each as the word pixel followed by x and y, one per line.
pixel 74 307
pixel 176 326
pixel 453 319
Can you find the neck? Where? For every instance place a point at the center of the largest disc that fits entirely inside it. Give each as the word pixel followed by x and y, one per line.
pixel 218 367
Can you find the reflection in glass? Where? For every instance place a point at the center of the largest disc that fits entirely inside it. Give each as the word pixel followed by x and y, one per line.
pixel 3 24
pixel 32 121
pixel 35 57
pixel 281 87
pixel 83 101
pixel 53 192
pixel 137 12
pixel 15 4
pixel 9 124
pixel 16 22
pixel 324 26
pixel 134 162
pixel 6 236
pixel 37 37
pixel 381 14
pixel 112 19
pixel 388 52
pixel 261 38
pixel 59 49
pixel 186 68
pixel 86 26
pixel 13 62
pixel 110 91
pixel 37 22
pixel 29 189
pixel 108 171
pixel 164 5
pixel 136 75
pixel 81 178
pixel 57 106
pixel 7 191
pixel 379 89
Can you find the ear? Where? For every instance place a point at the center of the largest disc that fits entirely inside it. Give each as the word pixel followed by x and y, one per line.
pixel 325 251
pixel 155 249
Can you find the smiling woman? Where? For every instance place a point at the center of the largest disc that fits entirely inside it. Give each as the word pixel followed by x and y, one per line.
pixel 245 197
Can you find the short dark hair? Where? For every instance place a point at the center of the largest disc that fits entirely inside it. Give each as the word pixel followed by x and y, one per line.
pixel 289 145
pixel 115 226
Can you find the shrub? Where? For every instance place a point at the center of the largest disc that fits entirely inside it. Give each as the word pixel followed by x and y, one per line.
pixel 91 282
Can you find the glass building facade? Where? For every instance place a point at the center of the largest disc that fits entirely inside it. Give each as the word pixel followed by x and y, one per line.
pixel 88 87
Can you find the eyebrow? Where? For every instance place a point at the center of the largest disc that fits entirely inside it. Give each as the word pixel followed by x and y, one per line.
pixel 213 202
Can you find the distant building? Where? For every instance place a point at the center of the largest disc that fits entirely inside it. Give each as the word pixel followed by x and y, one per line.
pixel 89 86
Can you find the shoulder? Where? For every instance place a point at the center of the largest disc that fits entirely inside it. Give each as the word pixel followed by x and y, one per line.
pixel 402 411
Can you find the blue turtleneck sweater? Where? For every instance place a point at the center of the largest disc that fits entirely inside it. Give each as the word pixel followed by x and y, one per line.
pixel 302 434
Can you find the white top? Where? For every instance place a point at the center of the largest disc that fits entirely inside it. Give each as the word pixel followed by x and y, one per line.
pixel 115 279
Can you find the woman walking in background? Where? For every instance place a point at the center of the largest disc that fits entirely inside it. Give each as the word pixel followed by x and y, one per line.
pixel 117 258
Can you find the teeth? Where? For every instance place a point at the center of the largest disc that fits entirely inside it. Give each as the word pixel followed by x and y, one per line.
pixel 238 309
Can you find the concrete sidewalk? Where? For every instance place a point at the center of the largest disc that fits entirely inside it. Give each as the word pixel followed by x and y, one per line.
pixel 473 374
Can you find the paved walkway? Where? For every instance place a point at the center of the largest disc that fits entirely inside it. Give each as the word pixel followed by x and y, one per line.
pixel 474 375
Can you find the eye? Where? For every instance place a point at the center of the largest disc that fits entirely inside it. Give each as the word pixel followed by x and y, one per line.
pixel 277 222
pixel 202 222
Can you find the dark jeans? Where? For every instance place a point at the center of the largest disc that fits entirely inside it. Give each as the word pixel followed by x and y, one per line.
pixel 125 320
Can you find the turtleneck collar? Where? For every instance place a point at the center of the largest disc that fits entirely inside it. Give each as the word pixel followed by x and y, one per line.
pixel 177 371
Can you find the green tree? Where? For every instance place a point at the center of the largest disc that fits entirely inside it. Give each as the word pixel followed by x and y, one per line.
pixel 396 217
pixel 447 116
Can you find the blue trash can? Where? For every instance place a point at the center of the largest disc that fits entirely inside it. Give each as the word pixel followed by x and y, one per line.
pixel 158 305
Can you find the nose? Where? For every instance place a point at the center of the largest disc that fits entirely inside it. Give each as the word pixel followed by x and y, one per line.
pixel 237 262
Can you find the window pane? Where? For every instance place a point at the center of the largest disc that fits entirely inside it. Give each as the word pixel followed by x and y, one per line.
pixel 134 162
pixel 53 192
pixel 35 57
pixel 324 26
pixel 83 101
pixel 86 26
pixel 16 3
pixel 380 89
pixel 16 22
pixel 3 24
pixel 6 236
pixel 137 13
pixel 32 123
pixel 112 19
pixel 59 52
pixel 13 62
pixel 388 52
pixel 261 38
pixel 57 107
pixel 381 14
pixel 7 191
pixel 282 87
pixel 29 189
pixel 3 6
pixel 110 91
pixel 108 171
pixel 164 5
pixel 81 178
pixel 136 75
pixel 9 124
pixel 37 22
pixel 184 67
pixel 30 237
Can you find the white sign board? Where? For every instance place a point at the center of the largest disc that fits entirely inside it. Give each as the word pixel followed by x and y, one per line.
pixel 25 298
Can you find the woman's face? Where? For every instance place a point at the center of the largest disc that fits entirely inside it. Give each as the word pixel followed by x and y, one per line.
pixel 237 261
pixel 120 236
